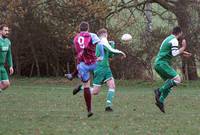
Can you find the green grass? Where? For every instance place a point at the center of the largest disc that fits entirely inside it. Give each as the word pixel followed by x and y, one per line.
pixel 46 107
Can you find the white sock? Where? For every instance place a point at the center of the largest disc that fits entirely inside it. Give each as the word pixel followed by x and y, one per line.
pixel 91 89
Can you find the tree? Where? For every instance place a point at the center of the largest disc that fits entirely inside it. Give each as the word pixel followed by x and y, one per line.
pixel 187 13
pixel 184 10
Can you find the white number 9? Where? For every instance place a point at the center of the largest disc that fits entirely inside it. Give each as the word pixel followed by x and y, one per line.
pixel 81 42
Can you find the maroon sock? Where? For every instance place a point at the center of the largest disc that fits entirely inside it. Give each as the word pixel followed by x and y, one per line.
pixel 75 73
pixel 88 97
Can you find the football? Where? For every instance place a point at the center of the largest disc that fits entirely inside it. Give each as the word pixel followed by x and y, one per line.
pixel 126 37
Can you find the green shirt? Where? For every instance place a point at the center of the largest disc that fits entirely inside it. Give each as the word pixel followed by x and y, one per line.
pixel 107 54
pixel 5 52
pixel 166 48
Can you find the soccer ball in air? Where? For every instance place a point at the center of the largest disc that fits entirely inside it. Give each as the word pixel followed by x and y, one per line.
pixel 126 37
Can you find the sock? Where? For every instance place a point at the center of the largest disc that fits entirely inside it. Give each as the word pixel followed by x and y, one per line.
pixel 110 96
pixel 91 90
pixel 164 95
pixel 88 99
pixel 165 89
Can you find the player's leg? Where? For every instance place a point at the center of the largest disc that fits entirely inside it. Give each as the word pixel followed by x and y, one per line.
pixel 4 84
pixel 72 75
pixel 77 89
pixel 88 98
pixel 111 88
pixel 80 87
pixel 172 79
pixel 98 79
pixel 164 78
pixel 4 81
pixel 110 94
pixel 172 82
pixel 96 89
pixel 85 77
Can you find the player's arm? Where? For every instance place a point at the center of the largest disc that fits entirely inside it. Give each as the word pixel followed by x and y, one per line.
pixel 112 43
pixel 175 50
pixel 95 39
pixel 9 60
pixel 101 52
pixel 108 46
pixel 185 53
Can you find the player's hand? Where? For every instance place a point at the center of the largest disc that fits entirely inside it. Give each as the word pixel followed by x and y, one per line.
pixel 184 44
pixel 11 70
pixel 99 59
pixel 187 54
pixel 124 56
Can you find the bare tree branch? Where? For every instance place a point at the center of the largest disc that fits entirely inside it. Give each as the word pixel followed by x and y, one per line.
pixel 167 4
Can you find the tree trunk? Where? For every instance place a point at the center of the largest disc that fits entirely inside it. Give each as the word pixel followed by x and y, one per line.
pixel 35 59
pixel 184 19
pixel 148 37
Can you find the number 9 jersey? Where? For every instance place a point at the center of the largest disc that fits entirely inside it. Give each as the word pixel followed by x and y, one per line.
pixel 85 45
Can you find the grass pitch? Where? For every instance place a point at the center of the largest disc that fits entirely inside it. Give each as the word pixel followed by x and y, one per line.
pixel 39 106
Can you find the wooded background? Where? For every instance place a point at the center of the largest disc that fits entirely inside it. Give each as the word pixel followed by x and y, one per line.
pixel 42 33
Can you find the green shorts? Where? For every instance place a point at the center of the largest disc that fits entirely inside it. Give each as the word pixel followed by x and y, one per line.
pixel 165 71
pixel 3 74
pixel 101 75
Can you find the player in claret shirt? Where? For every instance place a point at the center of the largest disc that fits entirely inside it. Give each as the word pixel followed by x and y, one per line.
pixel 85 45
pixel 5 55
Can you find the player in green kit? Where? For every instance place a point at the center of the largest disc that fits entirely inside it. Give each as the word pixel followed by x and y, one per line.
pixel 103 73
pixel 168 50
pixel 5 54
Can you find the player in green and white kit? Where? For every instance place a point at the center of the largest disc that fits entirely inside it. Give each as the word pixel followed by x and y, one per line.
pixel 5 54
pixel 103 73
pixel 168 50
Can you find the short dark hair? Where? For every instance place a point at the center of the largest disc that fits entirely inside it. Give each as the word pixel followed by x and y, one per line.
pixel 176 30
pixel 102 31
pixel 84 26
pixel 2 26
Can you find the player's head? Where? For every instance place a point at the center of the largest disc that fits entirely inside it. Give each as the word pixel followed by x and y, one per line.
pixel 102 33
pixel 84 26
pixel 4 30
pixel 177 31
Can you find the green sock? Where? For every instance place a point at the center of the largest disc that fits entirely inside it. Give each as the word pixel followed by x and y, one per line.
pixel 165 89
pixel 167 85
pixel 110 96
pixel 82 87
pixel 164 95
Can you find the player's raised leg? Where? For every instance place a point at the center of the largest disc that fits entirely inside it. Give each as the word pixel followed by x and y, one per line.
pixel 71 76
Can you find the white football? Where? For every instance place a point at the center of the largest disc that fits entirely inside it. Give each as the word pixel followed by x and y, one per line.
pixel 126 37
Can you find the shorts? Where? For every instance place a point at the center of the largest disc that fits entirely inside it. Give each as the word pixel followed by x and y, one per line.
pixel 84 71
pixel 165 71
pixel 3 74
pixel 102 75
